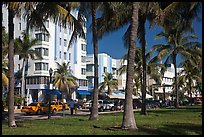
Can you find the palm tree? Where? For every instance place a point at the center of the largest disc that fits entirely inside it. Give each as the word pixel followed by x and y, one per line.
pixel 90 8
pixel 182 14
pixel 177 43
pixel 110 82
pixel 191 72
pixel 128 115
pixel 24 48
pixel 11 120
pixel 64 80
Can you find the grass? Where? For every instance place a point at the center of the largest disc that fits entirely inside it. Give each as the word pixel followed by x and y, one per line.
pixel 181 121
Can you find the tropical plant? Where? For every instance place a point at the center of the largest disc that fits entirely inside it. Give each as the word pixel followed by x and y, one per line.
pixel 178 16
pixel 177 43
pixel 24 48
pixel 190 74
pixel 109 82
pixel 64 80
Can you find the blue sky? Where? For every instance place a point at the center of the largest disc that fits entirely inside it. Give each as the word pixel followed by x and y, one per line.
pixel 112 43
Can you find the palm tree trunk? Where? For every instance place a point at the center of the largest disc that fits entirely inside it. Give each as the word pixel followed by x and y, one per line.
pixel 23 84
pixel 176 85
pixel 109 91
pixel 94 110
pixel 128 115
pixel 11 119
pixel 190 88
pixel 143 42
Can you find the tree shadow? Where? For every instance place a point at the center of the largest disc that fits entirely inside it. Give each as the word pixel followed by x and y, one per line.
pixel 180 129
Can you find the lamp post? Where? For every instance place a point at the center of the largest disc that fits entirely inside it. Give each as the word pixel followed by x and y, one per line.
pixel 49 112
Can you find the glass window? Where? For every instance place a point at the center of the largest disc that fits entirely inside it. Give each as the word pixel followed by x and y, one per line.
pixel 83 71
pixel 89 68
pixel 104 69
pixel 65 55
pixel 69 56
pixel 60 54
pixel 38 66
pixel 65 42
pixel 45 51
pixel 83 59
pixel 83 47
pixel 19 25
pixel 19 67
pixel 60 41
pixel 60 27
pixel 42 37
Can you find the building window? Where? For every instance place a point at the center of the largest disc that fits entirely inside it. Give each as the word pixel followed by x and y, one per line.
pixel 69 56
pixel 38 66
pixel 83 47
pixel 104 69
pixel 60 27
pixel 65 55
pixel 45 66
pixel 19 66
pixel 83 59
pixel 89 68
pixel 42 37
pixel 19 26
pixel 83 71
pixel 65 42
pixel 60 41
pixel 45 51
pixel 65 30
pixel 82 82
pixel 60 54
pixel 41 66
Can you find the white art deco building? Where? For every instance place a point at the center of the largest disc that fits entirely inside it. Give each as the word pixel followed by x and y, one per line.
pixel 53 49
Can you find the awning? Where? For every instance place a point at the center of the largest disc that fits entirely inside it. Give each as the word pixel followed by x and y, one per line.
pixel 84 92
pixel 120 95
pixel 53 91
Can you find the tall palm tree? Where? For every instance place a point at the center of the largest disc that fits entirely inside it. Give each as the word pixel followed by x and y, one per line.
pixel 11 119
pixel 64 80
pixel 191 72
pixel 90 8
pixel 109 82
pixel 128 115
pixel 182 14
pixel 24 48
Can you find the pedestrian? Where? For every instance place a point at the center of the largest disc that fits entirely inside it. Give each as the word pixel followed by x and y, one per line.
pixel 76 107
pixel 71 105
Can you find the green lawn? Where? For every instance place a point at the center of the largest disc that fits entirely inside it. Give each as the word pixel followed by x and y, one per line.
pixel 182 121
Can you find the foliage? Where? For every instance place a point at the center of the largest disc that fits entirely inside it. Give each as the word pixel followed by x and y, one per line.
pixel 109 82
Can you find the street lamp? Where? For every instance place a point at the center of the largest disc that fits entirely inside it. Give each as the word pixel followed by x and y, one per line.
pixel 49 112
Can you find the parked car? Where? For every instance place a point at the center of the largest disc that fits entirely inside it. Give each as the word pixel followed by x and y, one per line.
pixel 35 107
pixel 103 105
pixel 39 107
pixel 56 106
pixel 87 104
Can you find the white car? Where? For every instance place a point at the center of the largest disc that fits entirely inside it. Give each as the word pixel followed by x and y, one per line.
pixel 102 105
pixel 87 104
